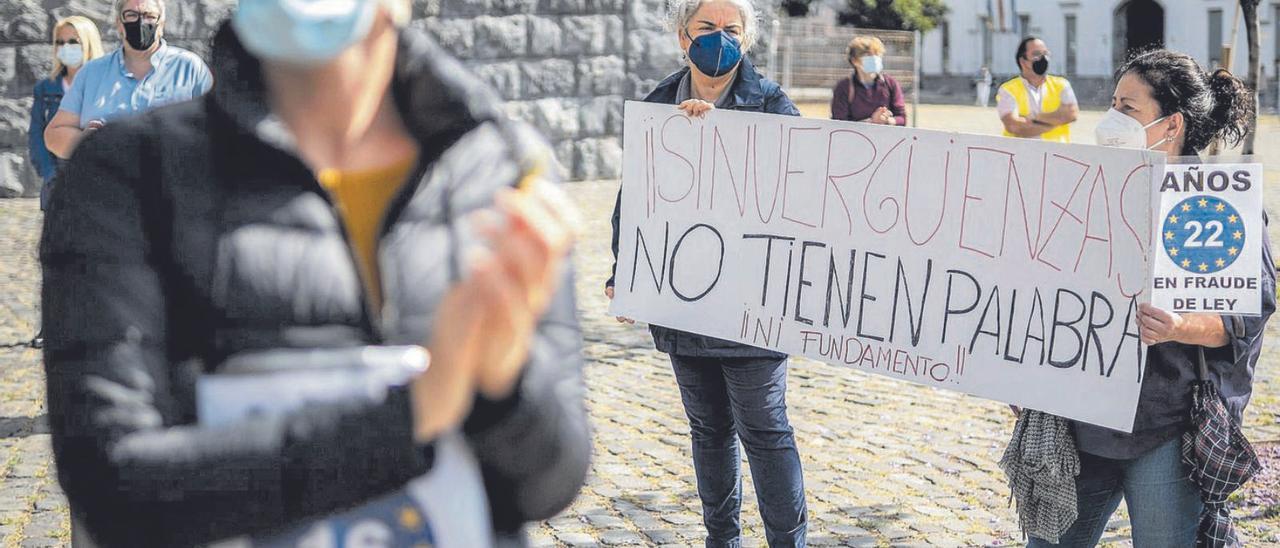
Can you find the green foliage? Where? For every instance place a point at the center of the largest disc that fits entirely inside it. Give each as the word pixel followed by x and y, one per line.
pixel 921 15
pixel 796 8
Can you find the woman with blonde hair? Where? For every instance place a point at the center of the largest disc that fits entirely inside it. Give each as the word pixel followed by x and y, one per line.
pixel 75 42
pixel 868 95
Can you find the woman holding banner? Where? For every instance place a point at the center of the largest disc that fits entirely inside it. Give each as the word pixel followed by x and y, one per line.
pixel 1164 101
pixel 310 309
pixel 729 388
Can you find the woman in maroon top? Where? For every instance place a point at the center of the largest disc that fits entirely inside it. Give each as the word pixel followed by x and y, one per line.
pixel 868 95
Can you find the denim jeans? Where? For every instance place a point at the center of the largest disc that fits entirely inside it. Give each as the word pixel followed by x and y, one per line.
pixel 746 397
pixel 1164 504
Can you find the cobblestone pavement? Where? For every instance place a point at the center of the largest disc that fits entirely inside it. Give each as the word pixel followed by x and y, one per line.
pixel 33 511
pixel 886 462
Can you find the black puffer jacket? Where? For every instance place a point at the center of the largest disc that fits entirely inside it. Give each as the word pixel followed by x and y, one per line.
pixel 193 233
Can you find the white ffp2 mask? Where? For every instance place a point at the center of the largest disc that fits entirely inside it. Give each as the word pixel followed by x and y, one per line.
pixel 1120 130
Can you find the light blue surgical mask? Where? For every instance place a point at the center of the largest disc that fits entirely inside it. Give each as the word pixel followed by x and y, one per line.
pixel 872 64
pixel 302 32
pixel 71 55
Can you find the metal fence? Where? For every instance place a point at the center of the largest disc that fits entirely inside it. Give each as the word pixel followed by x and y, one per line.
pixel 807 57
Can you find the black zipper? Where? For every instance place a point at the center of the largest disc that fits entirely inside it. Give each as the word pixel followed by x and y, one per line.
pixel 398 202
pixel 372 319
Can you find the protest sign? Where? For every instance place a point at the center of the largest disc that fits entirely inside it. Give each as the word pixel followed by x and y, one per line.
pixel 1209 232
pixel 1005 268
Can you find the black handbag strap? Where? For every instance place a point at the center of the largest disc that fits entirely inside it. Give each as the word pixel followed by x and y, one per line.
pixel 1202 368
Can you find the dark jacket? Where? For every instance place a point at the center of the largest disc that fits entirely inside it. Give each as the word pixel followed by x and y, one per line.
pixel 193 233
pixel 751 92
pixel 48 96
pixel 1164 404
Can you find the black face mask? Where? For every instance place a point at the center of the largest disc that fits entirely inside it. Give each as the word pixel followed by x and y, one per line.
pixel 1040 66
pixel 141 36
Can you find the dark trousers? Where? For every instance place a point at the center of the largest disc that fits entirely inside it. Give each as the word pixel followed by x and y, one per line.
pixel 746 397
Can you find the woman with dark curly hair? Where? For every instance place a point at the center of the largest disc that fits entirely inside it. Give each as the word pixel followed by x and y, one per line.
pixel 1164 101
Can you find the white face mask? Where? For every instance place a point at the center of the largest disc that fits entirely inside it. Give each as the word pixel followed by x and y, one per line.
pixel 1120 130
pixel 71 55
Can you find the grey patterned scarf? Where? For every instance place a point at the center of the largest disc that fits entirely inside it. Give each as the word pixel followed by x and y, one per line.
pixel 1042 464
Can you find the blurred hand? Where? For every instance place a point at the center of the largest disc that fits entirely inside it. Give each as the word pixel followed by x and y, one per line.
pixel 442 396
pixel 696 108
pixel 487 320
pixel 1157 325
pixel 882 116
pixel 94 125
pixel 529 233
pixel 608 292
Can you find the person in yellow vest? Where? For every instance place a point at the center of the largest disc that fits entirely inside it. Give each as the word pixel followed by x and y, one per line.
pixel 1036 104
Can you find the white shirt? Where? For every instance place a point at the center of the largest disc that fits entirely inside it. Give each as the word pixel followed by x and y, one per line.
pixel 1006 104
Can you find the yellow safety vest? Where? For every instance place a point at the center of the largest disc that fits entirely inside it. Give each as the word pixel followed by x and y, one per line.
pixel 1052 99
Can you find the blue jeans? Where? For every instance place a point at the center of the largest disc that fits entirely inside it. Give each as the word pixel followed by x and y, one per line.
pixel 1164 504
pixel 747 397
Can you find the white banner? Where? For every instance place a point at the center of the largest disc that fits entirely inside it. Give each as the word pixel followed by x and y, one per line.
pixel 1005 268
pixel 1209 256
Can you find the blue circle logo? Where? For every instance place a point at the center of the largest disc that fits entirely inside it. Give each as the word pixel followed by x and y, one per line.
pixel 1203 234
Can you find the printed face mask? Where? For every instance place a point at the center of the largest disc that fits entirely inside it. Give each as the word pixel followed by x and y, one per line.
pixel 1120 130
pixel 303 32
pixel 715 54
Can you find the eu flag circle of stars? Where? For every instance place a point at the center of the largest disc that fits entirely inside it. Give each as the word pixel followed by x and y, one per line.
pixel 1192 237
pixel 393 520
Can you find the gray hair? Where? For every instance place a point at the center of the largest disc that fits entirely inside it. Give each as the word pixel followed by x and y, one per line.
pixel 681 12
pixel 117 8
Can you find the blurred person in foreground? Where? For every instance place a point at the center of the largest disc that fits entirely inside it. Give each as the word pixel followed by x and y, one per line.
pixel 343 191
pixel 729 388
pixel 1036 104
pixel 144 73
pixel 868 95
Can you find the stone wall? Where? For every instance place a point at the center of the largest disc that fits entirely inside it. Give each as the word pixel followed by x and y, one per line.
pixel 564 65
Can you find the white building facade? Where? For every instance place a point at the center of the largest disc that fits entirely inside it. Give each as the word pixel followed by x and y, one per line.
pixel 1090 38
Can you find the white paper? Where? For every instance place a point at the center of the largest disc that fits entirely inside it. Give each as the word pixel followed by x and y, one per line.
pixel 1209 232
pixel 449 501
